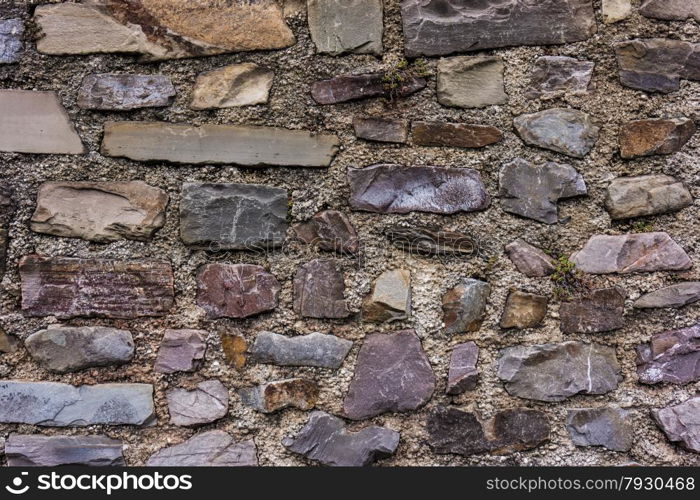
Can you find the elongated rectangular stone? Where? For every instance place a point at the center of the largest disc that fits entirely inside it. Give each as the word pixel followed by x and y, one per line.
pixel 11 31
pixel 6 211
pixel 67 287
pixel 125 92
pixel 35 450
pixel 218 144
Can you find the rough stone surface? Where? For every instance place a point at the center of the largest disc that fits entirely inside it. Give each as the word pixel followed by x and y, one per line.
pixel 605 426
pixel 54 404
pixel 645 195
pixel 400 189
pixel 671 10
pixel 523 310
pixel 315 349
pixel 8 343
pixel 431 240
pixel 470 81
pixel 352 87
pixel 671 357
pixel 554 372
pixel 381 129
pixel 463 374
pixel 181 351
pixel 329 230
pixel 680 423
pixel 390 299
pixel 236 290
pixel 319 290
pixel 677 295
pixel 568 131
pixel 554 76
pixel 616 10
pixel 631 253
pixel 463 306
pixel 235 348
pixel 207 449
pixel 232 86
pixel 7 209
pixel 206 403
pixel 11 31
pixel 598 311
pixel 325 439
pixel 655 137
pixel 342 26
pixel 125 92
pixel 67 287
pixel 392 374
pixel 69 349
pixel 533 191
pixel 275 396
pixel 529 260
pixel 34 450
pixel 455 135
pixel 99 211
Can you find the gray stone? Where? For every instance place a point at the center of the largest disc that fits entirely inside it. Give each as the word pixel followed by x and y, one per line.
pixel 53 404
pixel 680 423
pixel 523 310
pixel 463 375
pixel 125 92
pixel 232 86
pixel 645 195
pixel 655 137
pixel 677 295
pixel 11 31
pixel 529 260
pixel 533 191
pixel 275 396
pixel 631 253
pixel 69 349
pixel 329 230
pixel 400 189
pixel 616 10
pixel 207 449
pixel 390 299
pixel 346 88
pixel 381 129
pixel 319 290
pixel 606 426
pixel 431 240
pixel 315 349
pixel 207 403
pixel 233 216
pixel 218 144
pixel 671 10
pixel 181 351
pixel 672 357
pixel 342 26
pixel 325 439
pixel 598 311
pixel 568 131
pixel 554 372
pixel 7 210
pixel 463 306
pixel 470 81
pixel 554 76
pixel 34 450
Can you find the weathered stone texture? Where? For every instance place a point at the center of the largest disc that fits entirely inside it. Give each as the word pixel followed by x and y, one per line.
pixel 470 81
pixel 568 131
pixel 671 357
pixel 346 88
pixel 7 210
pixel 232 86
pixel 671 10
pixel 655 137
pixel 341 26
pixel 390 299
pixel 677 295
pixel 605 426
pixel 431 240
pixel 275 396
pixel 207 449
pixel 181 351
pixel 523 310
pixel 598 311
pixel 554 76
pixel 380 129
pixel 463 374
pixel 11 31
pixel 629 197
pixel 329 230
pixel 314 349
pixel 455 135
pixel 680 423
pixel 529 260
pixel 319 290
pixel 463 306
pixel 206 403
pixel 616 10
pixel 125 92
pixel 34 450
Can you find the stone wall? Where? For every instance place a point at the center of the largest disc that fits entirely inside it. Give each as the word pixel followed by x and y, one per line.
pixel 270 229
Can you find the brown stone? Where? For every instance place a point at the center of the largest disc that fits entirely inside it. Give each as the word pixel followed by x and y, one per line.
pixel 654 137
pixel 523 310
pixel 529 260
pixel 319 290
pixel 8 343
pixel 455 135
pixel 599 311
pixel 234 347
pixel 390 299
pixel 274 396
pixel 352 87
pixel 329 230
pixel 464 306
pixel 381 129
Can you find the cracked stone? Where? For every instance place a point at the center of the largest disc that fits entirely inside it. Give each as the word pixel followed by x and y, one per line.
pixel 7 210
pixel 235 348
pixel 463 374
pixel 655 137
pixel 232 86
pixel 11 31
pixel 629 197
pixel 125 92
pixel 342 26
pixel 329 230
pixel 390 299
pixel 352 87
pixel 319 290
pixel 529 260
pixel 431 240
pixel 598 311
pixel 671 10
pixel 464 305
pixel 470 81
pixel 671 357
pixel 207 449
pixel 616 10
pixel 677 295
pixel 181 351
pixel 567 131
pixel 606 426
pixel 33 450
pixel 315 349
pixel 455 135
pixel 380 129
pixel 207 403
pixel 680 423
pixel 523 310
pixel 275 396
pixel 554 76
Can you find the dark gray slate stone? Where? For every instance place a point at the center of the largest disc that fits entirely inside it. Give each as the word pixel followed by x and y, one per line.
pixel 431 240
pixel 125 92
pixel 529 260
pixel 671 357
pixel 439 27
pixel 11 31
pixel 392 374
pixel 53 404
pixel 533 191
pixel 339 26
pixel 568 131
pixel 33 450
pixel 381 129
pixel 680 423
pixel 319 290
pixel 645 195
pixel 69 349
pixel 606 426
pixel 325 439
pixel 329 230
pixel 207 403
pixel 207 449
pixel 463 306
pixel 181 351
pixel 598 311
pixel 399 189
pixel 7 209
pixel 280 394
pixel 352 87
pixel 233 216
pixel 554 76
pixel 677 295
pixel 554 372
pixel 315 349
pixel 463 375
pixel 671 10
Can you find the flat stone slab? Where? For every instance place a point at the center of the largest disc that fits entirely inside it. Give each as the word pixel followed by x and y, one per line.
pixel 523 310
pixel 390 299
pixel 631 253
pixel 325 439
pixel 36 122
pixel 655 137
pixel 454 135
pixel 206 403
pixel 431 240
pixel 470 81
pixel 464 305
pixel 434 27
pixel 339 27
pixel 554 76
pixel 598 311
pixel 319 290
pixel 567 131
pixel 7 211
pixel 207 449
pixel 672 357
pixel 671 10
pixel 380 129
pixel 232 86
pixel 346 88
pixel 67 287
pixel 463 374
pixel 274 396
pixel 606 426
pixel 529 260
pixel 181 351
pixel 616 10
pixel 399 189
pixel 218 144
pixel 69 349
pixel 315 349
pixel 554 372
pixel 99 211
pixel 52 404
pixel 34 450
pixel 677 295
pixel 125 92
pixel 329 230
pixel 680 423
pixel 643 195
pixel 11 32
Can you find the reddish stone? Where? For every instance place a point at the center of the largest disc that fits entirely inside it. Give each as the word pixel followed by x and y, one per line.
pixel 456 135
pixel 329 230
pixel 351 87
pixel 319 290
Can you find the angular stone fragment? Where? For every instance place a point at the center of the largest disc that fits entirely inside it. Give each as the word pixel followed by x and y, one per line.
pixel 34 450
pixel 631 253
pixel 218 144
pixel 470 81
pixel 381 129
pixel 7 209
pixel 341 26
pixel 655 137
pixel 463 375
pixel 523 310
pixel 645 195
pixel 235 85
pixel 616 10
pixel 125 92
pixel 236 290
pixel 435 27
pixel 657 64
pixel 69 349
pixel 207 403
pixel 680 423
pixel 464 305
pixel 392 374
pixel 181 351
pixel 329 230
pixel 53 404
pixel 325 439
pixel 99 211
pixel 671 357
pixel 11 31
pixel 554 372
pixel 8 343
pixel 455 135
pixel 554 76
pixel 671 10
pixel 677 295
pixel 67 287
pixel 386 188
pixel 319 290
pixel 431 240
pixel 390 299
pixel 314 349
pixel 533 191
pixel 599 311
pixel 234 347
pixel 274 396
pixel 606 426
pixel 529 260
pixel 352 87
pixel 568 131
pixel 207 449
pixel 161 29
pixel 36 122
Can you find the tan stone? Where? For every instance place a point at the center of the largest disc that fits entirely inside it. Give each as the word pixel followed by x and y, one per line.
pixel 390 299
pixel 471 81
pixel 235 85
pixel 234 347
pixel 523 310
pixel 616 10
